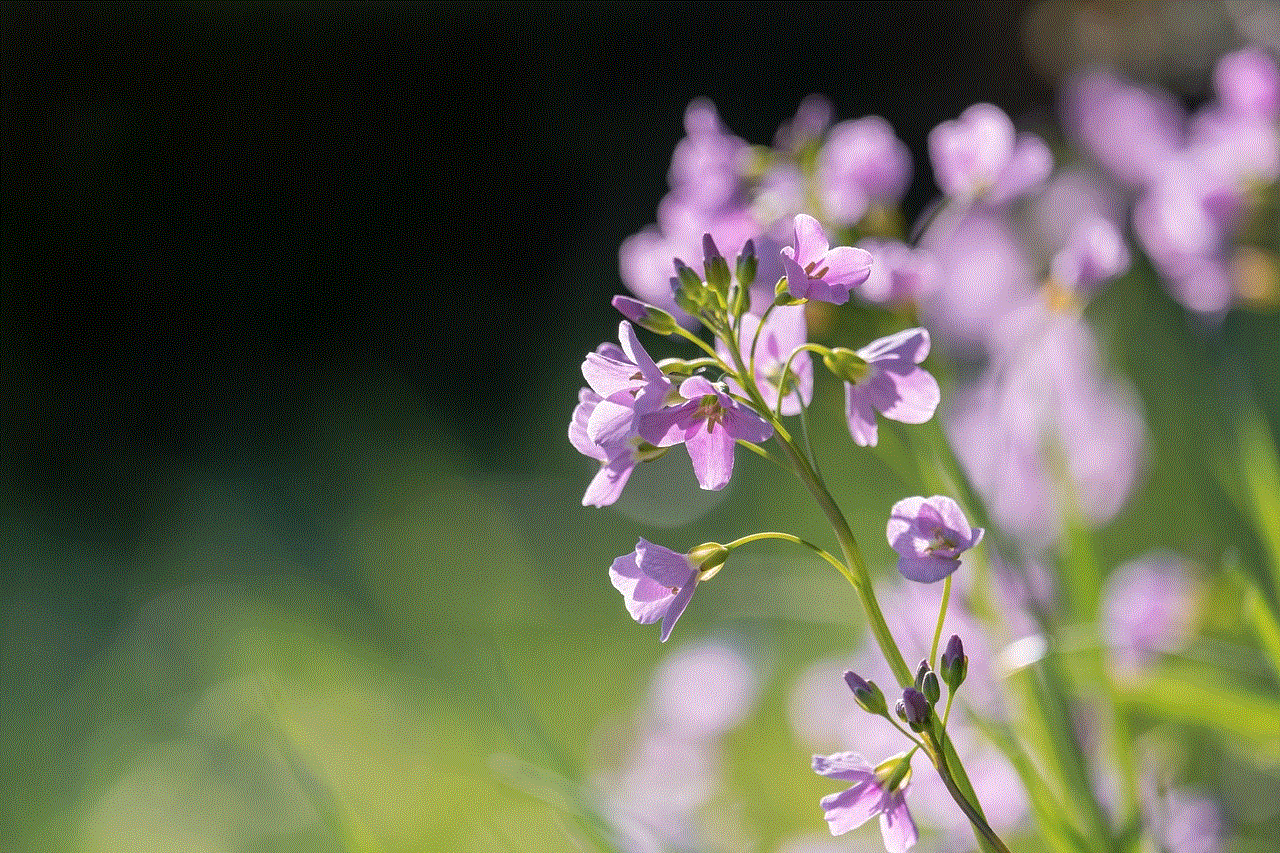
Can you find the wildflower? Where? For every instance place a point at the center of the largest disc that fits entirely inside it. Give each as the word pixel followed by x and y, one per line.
pixel 877 791
pixel 816 271
pixel 657 583
pixel 617 458
pixel 899 273
pixel 860 163
pixel 929 535
pixel 629 383
pixel 1148 607
pixel 885 377
pixel 707 424
pixel 979 155
pixel 784 330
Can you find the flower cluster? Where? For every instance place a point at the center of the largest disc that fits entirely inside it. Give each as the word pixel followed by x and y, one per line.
pixel 1042 437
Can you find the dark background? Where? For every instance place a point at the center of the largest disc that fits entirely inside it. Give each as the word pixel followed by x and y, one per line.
pixel 215 214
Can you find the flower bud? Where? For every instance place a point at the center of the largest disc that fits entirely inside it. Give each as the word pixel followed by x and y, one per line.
pixel 921 671
pixel 708 558
pixel 914 709
pixel 747 264
pixel 847 365
pixel 645 316
pixel 715 266
pixel 867 694
pixel 929 687
pixel 954 663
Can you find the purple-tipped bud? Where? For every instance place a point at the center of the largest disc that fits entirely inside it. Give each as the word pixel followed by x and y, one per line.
pixel 954 663
pixel 715 266
pixel 867 694
pixel 915 709
pixel 645 316
pixel 921 671
pixel 747 264
pixel 691 294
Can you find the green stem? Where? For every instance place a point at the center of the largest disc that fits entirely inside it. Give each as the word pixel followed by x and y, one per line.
pixel 786 537
pixel 937 632
pixel 986 833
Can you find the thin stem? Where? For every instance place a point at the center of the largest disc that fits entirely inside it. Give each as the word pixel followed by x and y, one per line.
pixel 855 568
pixel 786 537
pixel 702 345
pixel 762 453
pixel 975 817
pixel 942 615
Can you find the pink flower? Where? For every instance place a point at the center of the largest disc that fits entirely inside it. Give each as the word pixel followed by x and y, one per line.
pixel 869 796
pixel 891 383
pixel 816 271
pixel 929 535
pixel 708 424
pixel 978 154
pixel 656 583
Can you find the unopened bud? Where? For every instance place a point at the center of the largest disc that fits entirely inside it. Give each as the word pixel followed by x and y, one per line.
pixel 747 264
pixel 930 687
pixel 921 671
pixel 866 694
pixel 688 278
pixel 954 663
pixel 914 709
pixel 645 316
pixel 715 266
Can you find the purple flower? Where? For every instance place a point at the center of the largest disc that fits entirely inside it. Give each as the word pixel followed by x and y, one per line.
pixel 979 155
pixel 617 458
pixel 868 797
pixel 1248 82
pixel 860 163
pixel 784 330
pixel 1132 131
pixel 1094 252
pixel 656 583
pixel 891 383
pixel 629 382
pixel 1148 607
pixel 929 535
pixel 707 424
pixel 899 273
pixel 816 271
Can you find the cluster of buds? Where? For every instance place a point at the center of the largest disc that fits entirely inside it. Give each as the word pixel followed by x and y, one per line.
pixel 915 708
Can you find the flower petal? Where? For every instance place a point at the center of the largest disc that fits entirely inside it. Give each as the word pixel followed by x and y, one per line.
pixel 678 604
pixel 896 826
pixel 847 266
pixel 909 345
pixel 926 569
pixel 852 808
pixel 667 567
pixel 849 766
pixel 908 398
pixel 811 240
pixel 711 452
pixel 861 416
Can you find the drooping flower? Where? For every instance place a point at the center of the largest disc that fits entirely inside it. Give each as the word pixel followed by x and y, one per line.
pixel 979 154
pixel 885 377
pixel 814 270
pixel 784 330
pixel 871 795
pixel 708 424
pixel 657 583
pixel 929 535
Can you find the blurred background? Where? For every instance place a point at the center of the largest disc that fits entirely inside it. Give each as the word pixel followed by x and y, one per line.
pixel 294 302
